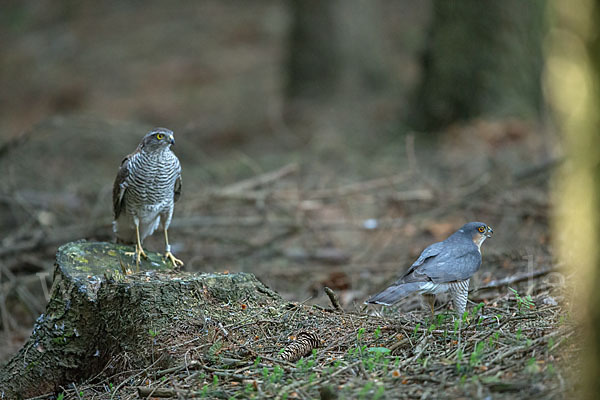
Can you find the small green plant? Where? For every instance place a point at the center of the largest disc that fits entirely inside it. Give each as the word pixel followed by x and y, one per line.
pixel 379 393
pixel 519 334
pixel 532 366
pixel 523 302
pixel 465 317
pixel 476 354
pixel 494 339
pixel 440 319
pixel 249 388
pixel 431 328
pixel 152 333
pixel 386 363
pixel 275 376
pixel 365 390
pixel 360 333
pixel 459 356
pixel 416 331
pixel 477 308
pixel 377 333
pixel 61 396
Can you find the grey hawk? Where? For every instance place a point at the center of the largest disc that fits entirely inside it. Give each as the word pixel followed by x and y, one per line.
pixel 145 191
pixel 441 267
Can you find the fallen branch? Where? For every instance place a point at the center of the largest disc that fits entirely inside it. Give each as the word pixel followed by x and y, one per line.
pixel 149 392
pixel 412 195
pixel 359 187
pixel 517 349
pixel 42 238
pixel 256 181
pixel 515 278
pixel 333 298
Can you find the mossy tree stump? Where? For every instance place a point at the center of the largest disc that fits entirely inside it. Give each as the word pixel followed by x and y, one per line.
pixel 96 313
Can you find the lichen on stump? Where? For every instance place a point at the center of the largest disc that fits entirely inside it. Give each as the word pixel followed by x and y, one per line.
pixel 97 314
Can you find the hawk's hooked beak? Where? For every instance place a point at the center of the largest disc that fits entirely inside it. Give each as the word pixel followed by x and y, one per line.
pixel 171 139
pixel 489 232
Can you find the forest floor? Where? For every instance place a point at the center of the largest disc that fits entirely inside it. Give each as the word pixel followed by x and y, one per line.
pixel 305 226
pixel 296 198
pixel 511 347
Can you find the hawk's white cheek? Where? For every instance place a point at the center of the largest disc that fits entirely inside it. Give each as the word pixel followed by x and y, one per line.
pixel 479 241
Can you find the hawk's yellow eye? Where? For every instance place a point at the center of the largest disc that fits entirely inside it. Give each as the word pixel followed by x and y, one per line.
pixel 160 136
pixel 481 229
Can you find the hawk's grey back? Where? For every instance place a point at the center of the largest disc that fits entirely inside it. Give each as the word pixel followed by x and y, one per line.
pixel 443 266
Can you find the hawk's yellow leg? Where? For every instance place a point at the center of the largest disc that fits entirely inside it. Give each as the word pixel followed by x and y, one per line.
pixel 176 262
pixel 431 301
pixel 139 250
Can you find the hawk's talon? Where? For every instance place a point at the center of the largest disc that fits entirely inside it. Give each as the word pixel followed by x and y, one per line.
pixel 135 253
pixel 124 267
pixel 175 261
pixel 138 254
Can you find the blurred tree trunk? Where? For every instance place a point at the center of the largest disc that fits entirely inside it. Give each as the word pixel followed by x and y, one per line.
pixel 335 46
pixel 483 58
pixel 573 82
pixel 337 68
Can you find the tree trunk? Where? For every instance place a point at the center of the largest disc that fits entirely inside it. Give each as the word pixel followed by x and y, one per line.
pixel 483 58
pixel 337 48
pixel 573 83
pixel 96 313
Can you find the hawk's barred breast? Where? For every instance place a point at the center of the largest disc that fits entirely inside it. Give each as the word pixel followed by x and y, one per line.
pixel 151 180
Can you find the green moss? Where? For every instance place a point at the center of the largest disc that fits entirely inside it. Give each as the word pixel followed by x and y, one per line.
pixel 59 340
pixel 101 258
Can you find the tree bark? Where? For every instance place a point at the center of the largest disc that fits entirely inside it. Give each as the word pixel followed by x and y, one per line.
pixel 573 83
pixel 483 58
pixel 336 49
pixel 96 313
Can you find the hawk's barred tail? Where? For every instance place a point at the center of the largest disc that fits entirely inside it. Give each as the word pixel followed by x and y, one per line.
pixel 394 293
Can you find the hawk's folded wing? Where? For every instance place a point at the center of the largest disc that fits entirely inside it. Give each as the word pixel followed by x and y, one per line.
pixel 119 187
